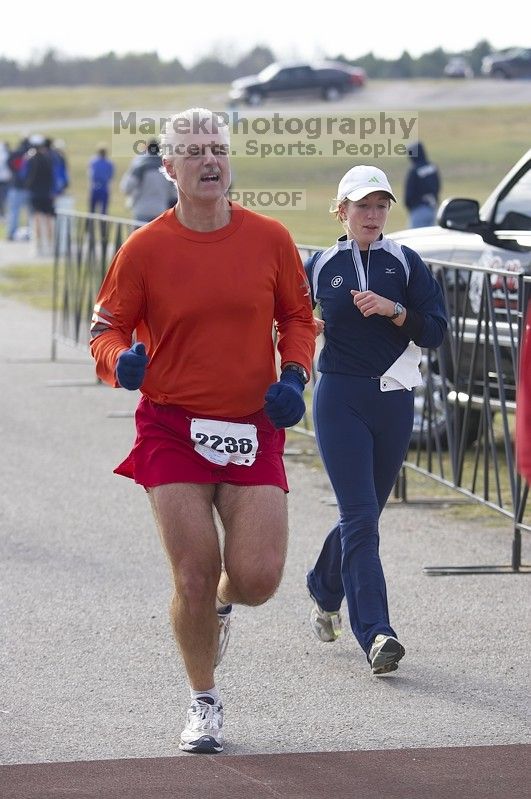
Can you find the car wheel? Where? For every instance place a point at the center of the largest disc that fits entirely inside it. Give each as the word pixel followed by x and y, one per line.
pixel 332 93
pixel 254 98
pixel 457 416
pixel 430 418
pixel 429 423
pixel 500 74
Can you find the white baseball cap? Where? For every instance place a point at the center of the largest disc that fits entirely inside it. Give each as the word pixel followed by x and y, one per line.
pixel 362 180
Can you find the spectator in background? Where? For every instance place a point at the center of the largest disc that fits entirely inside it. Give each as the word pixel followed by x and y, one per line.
pixel 41 185
pixel 101 173
pixel 61 178
pixel 63 202
pixel 17 194
pixel 148 191
pixel 422 187
pixel 5 175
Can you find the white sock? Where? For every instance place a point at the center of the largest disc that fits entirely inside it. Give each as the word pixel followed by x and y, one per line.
pixel 213 693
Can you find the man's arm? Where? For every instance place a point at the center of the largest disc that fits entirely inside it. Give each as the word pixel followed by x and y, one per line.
pixel 293 311
pixel 117 312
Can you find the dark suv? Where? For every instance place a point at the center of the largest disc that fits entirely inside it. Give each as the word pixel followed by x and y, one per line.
pixel 480 351
pixel 328 80
pixel 514 63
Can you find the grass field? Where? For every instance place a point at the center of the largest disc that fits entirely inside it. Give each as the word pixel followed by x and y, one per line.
pixel 473 148
pixel 29 283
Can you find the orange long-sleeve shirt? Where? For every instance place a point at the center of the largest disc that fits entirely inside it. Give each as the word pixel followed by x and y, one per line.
pixel 204 305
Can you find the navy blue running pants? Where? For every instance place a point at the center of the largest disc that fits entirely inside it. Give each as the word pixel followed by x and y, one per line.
pixel 363 435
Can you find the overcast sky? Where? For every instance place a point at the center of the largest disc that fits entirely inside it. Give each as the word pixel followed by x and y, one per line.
pixel 190 31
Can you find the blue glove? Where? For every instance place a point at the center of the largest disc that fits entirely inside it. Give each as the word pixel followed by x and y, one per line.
pixel 131 366
pixel 284 403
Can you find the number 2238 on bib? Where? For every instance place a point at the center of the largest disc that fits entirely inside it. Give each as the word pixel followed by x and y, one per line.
pixel 225 442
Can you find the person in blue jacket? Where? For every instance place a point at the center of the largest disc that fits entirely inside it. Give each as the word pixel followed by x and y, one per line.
pixel 101 173
pixel 422 187
pixel 379 304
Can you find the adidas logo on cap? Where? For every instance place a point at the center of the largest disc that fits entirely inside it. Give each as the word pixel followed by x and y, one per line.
pixel 362 180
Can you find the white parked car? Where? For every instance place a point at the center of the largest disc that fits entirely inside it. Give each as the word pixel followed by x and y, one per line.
pixel 458 67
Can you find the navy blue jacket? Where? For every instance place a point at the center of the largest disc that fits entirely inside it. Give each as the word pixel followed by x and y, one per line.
pixel 367 346
pixel 422 180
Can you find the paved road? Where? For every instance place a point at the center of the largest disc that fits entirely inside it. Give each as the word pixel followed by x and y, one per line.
pixel 87 665
pixel 376 96
pixel 412 95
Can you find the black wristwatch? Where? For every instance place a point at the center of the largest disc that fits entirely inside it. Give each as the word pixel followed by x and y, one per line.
pixel 301 371
pixel 399 309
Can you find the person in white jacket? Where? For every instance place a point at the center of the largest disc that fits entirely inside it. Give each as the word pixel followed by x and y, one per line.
pixel 149 192
pixel 5 175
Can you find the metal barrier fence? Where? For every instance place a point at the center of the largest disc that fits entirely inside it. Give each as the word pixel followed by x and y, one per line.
pixel 463 431
pixel 84 247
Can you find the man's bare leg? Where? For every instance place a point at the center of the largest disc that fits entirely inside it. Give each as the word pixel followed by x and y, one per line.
pixel 255 523
pixel 255 519
pixel 38 232
pixel 49 225
pixel 184 516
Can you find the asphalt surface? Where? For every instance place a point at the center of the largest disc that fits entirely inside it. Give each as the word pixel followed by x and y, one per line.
pixel 88 669
pixel 376 95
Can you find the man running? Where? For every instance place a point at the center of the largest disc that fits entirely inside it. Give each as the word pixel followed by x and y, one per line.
pixel 186 314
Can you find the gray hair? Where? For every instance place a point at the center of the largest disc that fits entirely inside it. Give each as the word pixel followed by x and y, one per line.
pixel 187 123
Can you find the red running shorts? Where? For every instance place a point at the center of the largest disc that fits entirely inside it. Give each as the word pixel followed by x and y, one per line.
pixel 174 445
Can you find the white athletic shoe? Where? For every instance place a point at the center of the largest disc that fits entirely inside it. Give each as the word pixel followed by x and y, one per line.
pixel 326 626
pixel 224 633
pixel 203 732
pixel 385 653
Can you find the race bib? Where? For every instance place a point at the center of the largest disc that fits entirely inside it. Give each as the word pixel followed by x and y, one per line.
pixel 225 442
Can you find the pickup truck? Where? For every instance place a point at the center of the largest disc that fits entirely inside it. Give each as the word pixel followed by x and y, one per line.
pixel 495 236
pixel 465 233
pixel 328 80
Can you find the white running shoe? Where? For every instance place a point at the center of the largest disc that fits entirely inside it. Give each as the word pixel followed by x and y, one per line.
pixel 224 633
pixel 203 733
pixel 385 653
pixel 326 626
